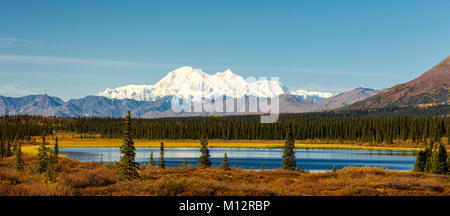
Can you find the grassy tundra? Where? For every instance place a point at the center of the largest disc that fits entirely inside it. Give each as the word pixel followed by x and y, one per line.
pixel 95 179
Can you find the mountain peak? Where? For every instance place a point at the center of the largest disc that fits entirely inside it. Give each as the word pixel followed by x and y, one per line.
pixel 228 72
pixel 185 70
pixel 189 82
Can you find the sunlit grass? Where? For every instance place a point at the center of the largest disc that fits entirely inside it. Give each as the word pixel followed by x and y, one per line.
pixel 69 142
pixel 95 179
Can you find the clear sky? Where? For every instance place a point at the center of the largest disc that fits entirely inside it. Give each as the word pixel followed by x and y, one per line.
pixel 71 49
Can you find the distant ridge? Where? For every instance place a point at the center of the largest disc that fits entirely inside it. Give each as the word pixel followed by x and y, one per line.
pixel 345 99
pixel 98 106
pixel 431 88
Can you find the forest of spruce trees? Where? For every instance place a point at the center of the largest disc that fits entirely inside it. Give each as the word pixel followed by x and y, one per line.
pixel 359 126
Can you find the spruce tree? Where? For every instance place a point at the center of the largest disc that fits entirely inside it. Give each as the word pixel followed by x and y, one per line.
pixel 434 163
pixel 18 159
pixel 152 161
pixel 204 156
pixel 421 161
pixel 50 170
pixel 441 160
pixel 185 162
pixel 2 148
pixel 225 165
pixel 428 155
pixel 42 158
pixel 127 167
pixel 15 147
pixel 289 162
pixel 333 172
pixel 55 153
pixel 262 166
pixel 9 153
pixel 52 162
pixel 162 162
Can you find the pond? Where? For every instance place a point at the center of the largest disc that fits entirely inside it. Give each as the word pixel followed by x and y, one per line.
pixel 309 159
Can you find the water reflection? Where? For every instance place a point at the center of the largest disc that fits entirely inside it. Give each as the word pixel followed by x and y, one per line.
pixel 309 159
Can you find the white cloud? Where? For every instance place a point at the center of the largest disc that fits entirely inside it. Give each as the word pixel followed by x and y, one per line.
pixel 75 61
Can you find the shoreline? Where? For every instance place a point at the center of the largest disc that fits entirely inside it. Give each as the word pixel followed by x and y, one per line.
pixel 249 144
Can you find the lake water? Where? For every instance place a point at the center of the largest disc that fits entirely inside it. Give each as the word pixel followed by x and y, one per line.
pixel 309 159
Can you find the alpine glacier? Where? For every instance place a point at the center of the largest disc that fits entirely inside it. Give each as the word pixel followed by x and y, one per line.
pixel 187 82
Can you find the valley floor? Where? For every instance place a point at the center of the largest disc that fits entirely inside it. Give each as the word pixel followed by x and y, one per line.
pixel 95 179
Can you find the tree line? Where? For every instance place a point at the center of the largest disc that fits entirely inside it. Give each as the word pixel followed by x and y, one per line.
pixel 372 129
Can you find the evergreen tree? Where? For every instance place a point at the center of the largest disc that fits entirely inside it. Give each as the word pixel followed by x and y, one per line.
pixel 428 155
pixel 8 149
pixel 18 160
pixel 15 147
pixel 204 157
pixel 225 165
pixel 333 172
pixel 262 166
pixel 162 162
pixel 50 170
pixel 289 162
pixel 127 167
pixel 2 148
pixel 152 161
pixel 434 163
pixel 185 162
pixel 421 161
pixel 441 160
pixel 55 153
pixel 42 158
pixel 389 139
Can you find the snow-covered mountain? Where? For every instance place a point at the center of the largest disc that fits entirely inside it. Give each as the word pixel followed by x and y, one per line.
pixel 312 96
pixel 187 82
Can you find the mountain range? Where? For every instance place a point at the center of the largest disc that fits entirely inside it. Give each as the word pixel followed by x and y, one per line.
pixel 154 101
pixel 100 106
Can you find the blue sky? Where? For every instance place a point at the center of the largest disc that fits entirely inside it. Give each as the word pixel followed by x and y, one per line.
pixel 72 49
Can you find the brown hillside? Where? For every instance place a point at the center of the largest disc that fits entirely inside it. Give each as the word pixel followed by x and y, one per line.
pixel 431 88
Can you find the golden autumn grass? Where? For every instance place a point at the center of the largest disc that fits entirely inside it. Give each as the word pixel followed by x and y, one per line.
pixel 94 179
pixel 68 141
